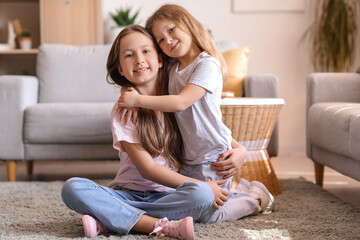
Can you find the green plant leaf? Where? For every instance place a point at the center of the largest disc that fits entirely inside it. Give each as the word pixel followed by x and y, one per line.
pixel 122 17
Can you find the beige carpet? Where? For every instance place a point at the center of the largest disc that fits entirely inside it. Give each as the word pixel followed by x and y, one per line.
pixel 34 210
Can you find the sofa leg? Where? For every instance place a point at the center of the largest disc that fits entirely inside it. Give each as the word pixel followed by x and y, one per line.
pixel 319 174
pixel 11 170
pixel 29 167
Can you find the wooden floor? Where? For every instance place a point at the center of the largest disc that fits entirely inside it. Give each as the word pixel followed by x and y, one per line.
pixel 285 167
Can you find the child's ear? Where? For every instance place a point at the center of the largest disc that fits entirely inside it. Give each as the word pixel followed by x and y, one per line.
pixel 160 61
pixel 120 71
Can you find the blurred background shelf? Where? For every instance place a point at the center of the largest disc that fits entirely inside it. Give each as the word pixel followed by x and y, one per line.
pixel 76 22
pixel 19 52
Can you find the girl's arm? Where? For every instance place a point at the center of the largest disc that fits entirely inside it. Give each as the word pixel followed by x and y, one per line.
pixel 166 103
pixel 230 161
pixel 165 176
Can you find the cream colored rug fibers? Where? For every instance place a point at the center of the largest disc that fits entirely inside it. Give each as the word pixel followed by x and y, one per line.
pixel 34 210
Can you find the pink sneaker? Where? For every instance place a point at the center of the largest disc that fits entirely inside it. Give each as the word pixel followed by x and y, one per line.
pixel 181 229
pixel 92 227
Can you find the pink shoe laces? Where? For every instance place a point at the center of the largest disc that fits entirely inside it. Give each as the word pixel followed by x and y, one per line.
pixel 164 227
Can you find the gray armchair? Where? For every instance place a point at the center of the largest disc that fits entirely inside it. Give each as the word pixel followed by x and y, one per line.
pixel 64 112
pixel 333 123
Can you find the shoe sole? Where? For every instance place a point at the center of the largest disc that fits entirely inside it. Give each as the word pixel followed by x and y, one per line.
pixel 189 225
pixel 271 206
pixel 89 224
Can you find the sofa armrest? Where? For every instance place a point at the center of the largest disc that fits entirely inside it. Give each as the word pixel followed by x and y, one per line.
pixel 264 86
pixel 330 87
pixel 261 85
pixel 16 93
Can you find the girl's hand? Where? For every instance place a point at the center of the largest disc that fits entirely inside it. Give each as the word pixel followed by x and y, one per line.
pixel 128 114
pixel 230 161
pixel 128 98
pixel 219 193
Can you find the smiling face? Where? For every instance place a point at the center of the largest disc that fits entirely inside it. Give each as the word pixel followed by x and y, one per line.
pixel 172 39
pixel 139 61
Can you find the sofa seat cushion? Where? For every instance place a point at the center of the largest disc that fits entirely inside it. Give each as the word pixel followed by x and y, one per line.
pixel 50 123
pixel 335 127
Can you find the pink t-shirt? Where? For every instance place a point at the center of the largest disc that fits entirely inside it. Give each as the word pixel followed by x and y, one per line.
pixel 128 176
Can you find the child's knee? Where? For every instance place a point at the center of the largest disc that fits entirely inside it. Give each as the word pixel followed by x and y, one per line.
pixel 71 187
pixel 200 192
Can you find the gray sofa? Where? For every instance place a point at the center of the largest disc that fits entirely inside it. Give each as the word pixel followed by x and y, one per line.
pixel 333 123
pixel 64 112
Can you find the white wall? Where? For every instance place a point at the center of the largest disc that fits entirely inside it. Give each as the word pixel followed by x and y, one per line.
pixel 276 48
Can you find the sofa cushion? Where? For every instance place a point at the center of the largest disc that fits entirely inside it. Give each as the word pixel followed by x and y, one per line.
pixel 74 74
pixel 336 127
pixel 237 62
pixel 51 123
pixel 236 59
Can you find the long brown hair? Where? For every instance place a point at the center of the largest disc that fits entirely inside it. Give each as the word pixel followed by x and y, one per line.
pixel 154 139
pixel 183 19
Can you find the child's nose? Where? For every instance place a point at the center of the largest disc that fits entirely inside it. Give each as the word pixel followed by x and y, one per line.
pixel 169 40
pixel 139 60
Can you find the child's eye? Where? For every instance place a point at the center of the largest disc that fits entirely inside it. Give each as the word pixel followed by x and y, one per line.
pixel 146 51
pixel 161 40
pixel 128 55
pixel 171 29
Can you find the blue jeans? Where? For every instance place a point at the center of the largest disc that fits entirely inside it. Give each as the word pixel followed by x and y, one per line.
pixel 120 208
pixel 237 206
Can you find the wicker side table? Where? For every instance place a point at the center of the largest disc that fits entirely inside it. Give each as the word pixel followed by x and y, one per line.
pixel 252 121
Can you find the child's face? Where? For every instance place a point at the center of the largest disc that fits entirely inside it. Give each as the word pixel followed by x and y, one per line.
pixel 172 40
pixel 139 60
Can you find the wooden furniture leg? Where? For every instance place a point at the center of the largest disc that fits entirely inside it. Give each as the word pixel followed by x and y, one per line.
pixel 11 170
pixel 319 174
pixel 29 167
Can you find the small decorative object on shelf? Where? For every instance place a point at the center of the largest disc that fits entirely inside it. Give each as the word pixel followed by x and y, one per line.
pixel 25 40
pixel 122 19
pixel 11 39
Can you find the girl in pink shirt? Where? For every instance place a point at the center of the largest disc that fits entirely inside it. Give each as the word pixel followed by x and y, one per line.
pixel 148 191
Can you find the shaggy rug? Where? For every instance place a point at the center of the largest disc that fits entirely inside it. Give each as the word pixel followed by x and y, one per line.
pixel 34 210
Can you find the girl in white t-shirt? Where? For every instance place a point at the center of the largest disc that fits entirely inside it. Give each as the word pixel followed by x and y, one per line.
pixel 196 76
pixel 148 186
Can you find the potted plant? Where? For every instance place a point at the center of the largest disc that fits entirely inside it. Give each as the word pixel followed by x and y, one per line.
pixel 25 40
pixel 122 18
pixel 332 35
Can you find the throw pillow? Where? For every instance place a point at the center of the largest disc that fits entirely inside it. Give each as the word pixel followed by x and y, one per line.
pixel 237 62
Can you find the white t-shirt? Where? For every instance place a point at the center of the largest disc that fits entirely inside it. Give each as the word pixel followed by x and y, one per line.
pixel 204 134
pixel 128 176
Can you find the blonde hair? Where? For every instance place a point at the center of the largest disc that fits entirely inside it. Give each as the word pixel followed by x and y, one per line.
pixel 183 19
pixel 154 139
